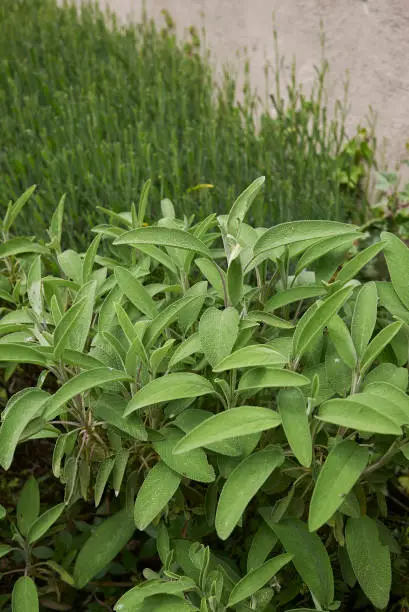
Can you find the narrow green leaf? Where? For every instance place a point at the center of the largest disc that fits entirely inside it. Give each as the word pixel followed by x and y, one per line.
pixel 163 236
pixel 79 384
pixel 105 542
pixel 311 559
pixel 323 247
pixel 352 267
pixel 101 479
pixel 28 505
pixel 235 281
pixel 257 578
pixel 165 318
pixel 19 246
pixel 44 522
pixel 261 546
pixel 192 417
pixel 20 413
pixel 389 373
pixel 218 331
pixel 315 319
pixel 121 461
pixel 15 209
pixel 341 339
pixel 34 289
pixel 232 423
pixel 89 259
pixel 11 353
pixel 242 485
pixel 251 356
pixel 341 470
pixel 242 205
pixel 135 292
pixel 388 298
pixel 188 347
pixel 370 559
pixel 134 598
pixel 262 378
pixel 300 231
pixel 377 345
pixel 24 597
pixel 350 412
pixel 55 229
pixel 397 259
pixel 143 201
pixel 268 319
pixel 170 387
pixel 293 412
pixel 294 294
pixel 157 489
pixel 364 317
pixel 66 328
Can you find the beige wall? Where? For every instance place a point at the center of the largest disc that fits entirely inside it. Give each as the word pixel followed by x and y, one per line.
pixel 370 38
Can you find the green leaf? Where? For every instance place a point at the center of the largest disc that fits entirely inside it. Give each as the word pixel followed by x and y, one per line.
pixel 101 479
pixel 121 461
pixel 293 413
pixel 166 317
pixel 71 264
pixel 15 209
pixel 235 281
pixel 63 574
pixel 218 331
pixel 311 559
pixel 352 413
pixel 341 339
pixel 257 578
pixel 111 408
pixel 242 485
pixel 251 356
pixel 191 464
pixel 352 267
pixel 89 259
pixel 314 320
pixel 163 236
pixel 388 298
pixel 44 522
pixel 55 229
pixel 79 384
pixel 66 328
pixel 387 372
pixel 268 319
pixel 170 387
pixel 377 345
pixel 322 247
pixel 397 259
pixel 232 423
pixel 28 505
pixel 391 394
pixel 5 550
pixel 364 317
pixel 105 542
pixel 19 246
pixel 21 411
pixel 261 378
pixel 24 597
pixel 341 470
pixel 34 286
pixel 143 201
pixel 212 273
pixel 261 546
pixel 242 205
pixel 294 294
pixel 188 347
pixel 3 512
pixel 192 417
pixel 135 292
pixel 370 559
pixel 133 599
pixel 157 489
pixel 299 231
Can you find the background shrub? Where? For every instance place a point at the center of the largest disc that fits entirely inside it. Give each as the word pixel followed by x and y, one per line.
pixel 92 109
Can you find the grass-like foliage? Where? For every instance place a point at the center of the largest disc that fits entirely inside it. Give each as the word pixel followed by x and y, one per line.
pixel 231 399
pixel 93 109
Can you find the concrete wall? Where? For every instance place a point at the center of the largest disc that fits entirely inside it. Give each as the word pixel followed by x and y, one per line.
pixel 370 38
